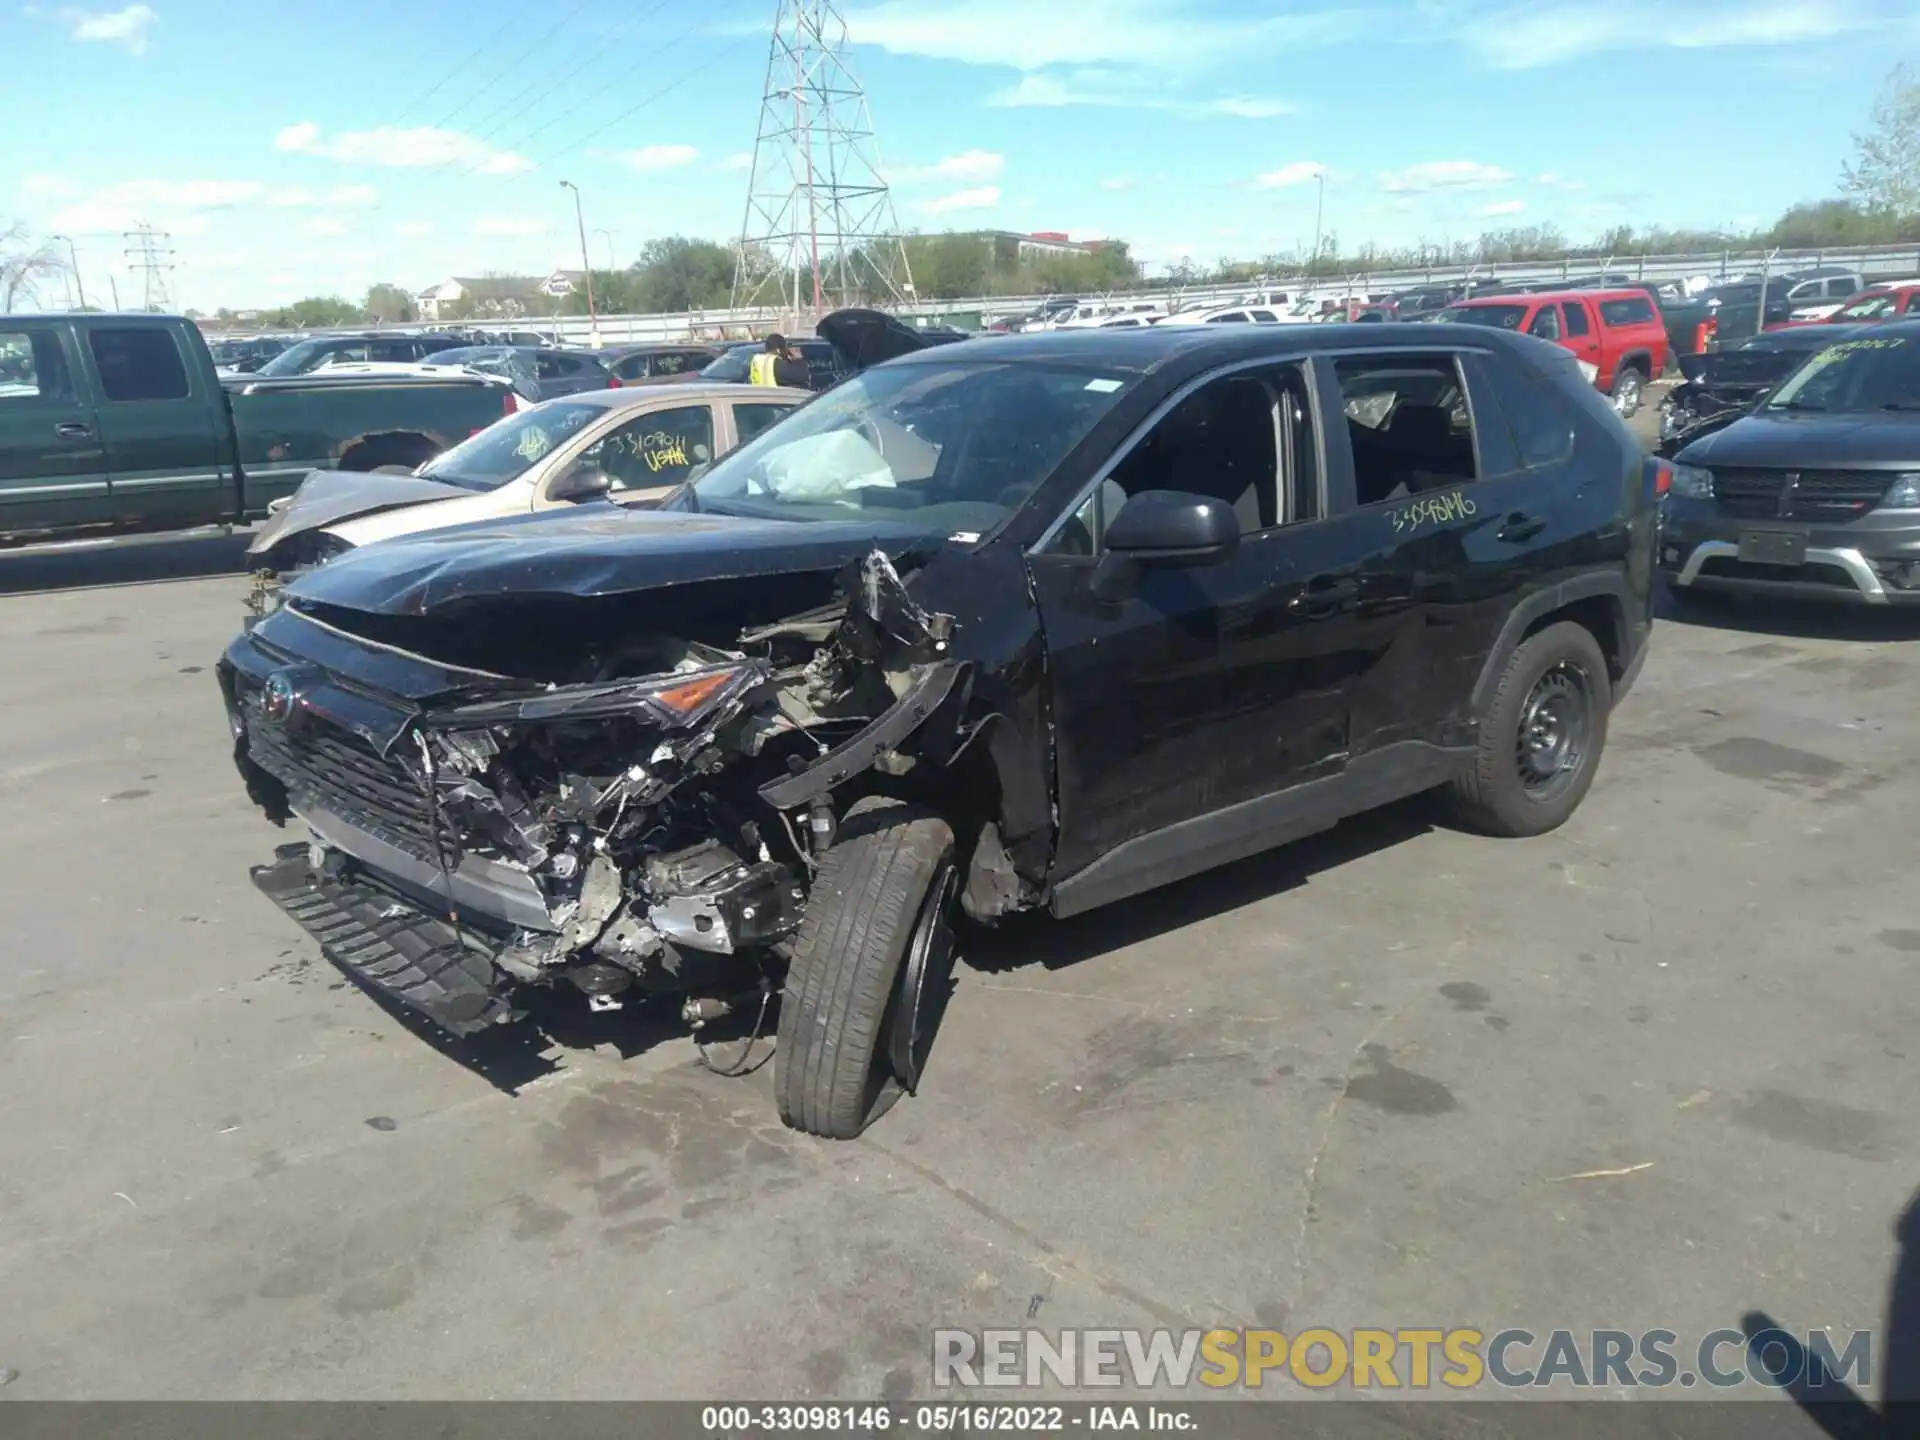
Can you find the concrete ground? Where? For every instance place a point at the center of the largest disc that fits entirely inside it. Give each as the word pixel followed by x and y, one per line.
pixel 1653 1070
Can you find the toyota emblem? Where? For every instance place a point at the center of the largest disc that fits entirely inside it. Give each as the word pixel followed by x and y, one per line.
pixel 278 698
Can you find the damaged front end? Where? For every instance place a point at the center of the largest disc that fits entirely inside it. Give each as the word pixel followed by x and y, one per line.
pixel 644 832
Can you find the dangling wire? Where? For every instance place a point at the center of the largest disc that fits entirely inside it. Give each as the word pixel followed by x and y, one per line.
pixel 740 1067
pixel 439 846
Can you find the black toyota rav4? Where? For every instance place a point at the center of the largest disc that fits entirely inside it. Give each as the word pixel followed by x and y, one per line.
pixel 1040 621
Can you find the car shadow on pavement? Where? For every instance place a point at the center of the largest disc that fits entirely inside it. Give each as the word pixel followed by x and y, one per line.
pixel 1832 1404
pixel 1038 939
pixel 1802 620
pixel 146 562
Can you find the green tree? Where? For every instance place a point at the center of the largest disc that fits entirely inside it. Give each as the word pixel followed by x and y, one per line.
pixel 676 274
pixel 24 266
pixel 389 304
pixel 320 310
pixel 1885 171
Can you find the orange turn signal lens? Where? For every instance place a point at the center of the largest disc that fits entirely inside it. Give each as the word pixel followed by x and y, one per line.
pixel 690 695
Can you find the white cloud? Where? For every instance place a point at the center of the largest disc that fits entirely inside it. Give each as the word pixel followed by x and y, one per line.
pixel 1153 34
pixel 326 225
pixel 353 197
pixel 1118 182
pixel 1299 172
pixel 185 194
pixel 126 27
pixel 415 148
pixel 414 227
pixel 1131 90
pixel 657 157
pixel 983 197
pixel 740 160
pixel 1524 39
pixel 968 167
pixel 48 187
pixel 1501 207
pixel 503 225
pixel 1444 175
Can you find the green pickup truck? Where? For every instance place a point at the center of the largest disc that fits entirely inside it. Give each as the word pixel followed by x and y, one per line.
pixel 118 424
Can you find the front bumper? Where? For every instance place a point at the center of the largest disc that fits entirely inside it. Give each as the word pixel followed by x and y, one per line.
pixel 388 946
pixel 1874 560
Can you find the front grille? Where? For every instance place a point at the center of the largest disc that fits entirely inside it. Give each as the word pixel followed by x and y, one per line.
pixel 1725 567
pixel 335 770
pixel 1799 494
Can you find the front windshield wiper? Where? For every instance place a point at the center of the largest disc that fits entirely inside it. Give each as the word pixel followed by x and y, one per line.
pixel 1795 405
pixel 1901 405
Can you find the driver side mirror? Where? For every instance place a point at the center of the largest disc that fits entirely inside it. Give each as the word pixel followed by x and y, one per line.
pixel 583 482
pixel 1164 529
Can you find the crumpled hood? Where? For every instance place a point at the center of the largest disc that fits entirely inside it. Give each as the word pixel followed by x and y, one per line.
pixel 327 497
pixel 594 550
pixel 1813 441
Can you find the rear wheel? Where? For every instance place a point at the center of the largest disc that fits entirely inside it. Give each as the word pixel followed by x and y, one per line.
pixel 1629 385
pixel 1541 738
pixel 869 969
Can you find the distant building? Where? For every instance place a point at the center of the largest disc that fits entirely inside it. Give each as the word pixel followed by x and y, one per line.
pixel 495 297
pixel 1011 244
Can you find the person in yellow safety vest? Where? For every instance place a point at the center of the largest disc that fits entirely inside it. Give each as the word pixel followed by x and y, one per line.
pixel 778 364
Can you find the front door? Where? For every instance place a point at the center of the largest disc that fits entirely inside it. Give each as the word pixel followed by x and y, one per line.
pixel 53 471
pixel 168 457
pixel 647 456
pixel 1198 689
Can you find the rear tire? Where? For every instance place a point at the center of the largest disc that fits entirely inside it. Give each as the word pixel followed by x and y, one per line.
pixel 833 1075
pixel 1541 738
pixel 1629 387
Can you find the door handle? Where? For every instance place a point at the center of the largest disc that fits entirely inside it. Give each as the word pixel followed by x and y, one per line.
pixel 1324 599
pixel 72 430
pixel 1519 526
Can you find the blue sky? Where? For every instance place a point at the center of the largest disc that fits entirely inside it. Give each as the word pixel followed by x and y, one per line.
pixel 292 149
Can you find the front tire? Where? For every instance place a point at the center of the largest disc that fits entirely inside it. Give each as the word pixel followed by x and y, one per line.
pixel 1541 738
pixel 885 887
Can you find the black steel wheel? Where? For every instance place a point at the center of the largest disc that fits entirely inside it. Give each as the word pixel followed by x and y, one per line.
pixel 1541 738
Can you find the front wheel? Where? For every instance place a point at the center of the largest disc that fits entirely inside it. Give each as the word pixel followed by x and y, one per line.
pixel 869 967
pixel 1540 740
pixel 1628 387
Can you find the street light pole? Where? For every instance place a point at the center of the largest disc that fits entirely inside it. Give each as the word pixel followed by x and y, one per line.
pixel 1319 211
pixel 586 264
pixel 607 235
pixel 73 256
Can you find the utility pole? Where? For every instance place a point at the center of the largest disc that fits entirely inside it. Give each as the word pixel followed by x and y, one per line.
pixel 586 265
pixel 1319 212
pixel 819 214
pixel 114 286
pixel 607 235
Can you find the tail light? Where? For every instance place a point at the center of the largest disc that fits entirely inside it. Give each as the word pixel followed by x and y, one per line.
pixel 613 382
pixel 1704 332
pixel 1662 477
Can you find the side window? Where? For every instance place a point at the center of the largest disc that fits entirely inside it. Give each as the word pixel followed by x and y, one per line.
pixel 388 352
pixel 634 367
pixel 142 364
pixel 1546 324
pixel 669 364
pixel 1264 317
pixel 1536 418
pixel 1232 317
pixel 1246 439
pixel 1840 288
pixel 1626 312
pixel 548 367
pixel 32 367
pixel 1408 423
pixel 1576 315
pixel 655 450
pixel 750 420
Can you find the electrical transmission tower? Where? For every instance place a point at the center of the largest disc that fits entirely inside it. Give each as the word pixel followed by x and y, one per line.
pixel 150 253
pixel 820 229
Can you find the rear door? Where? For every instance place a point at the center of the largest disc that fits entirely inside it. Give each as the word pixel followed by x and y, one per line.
pixel 750 417
pixel 53 471
pixel 163 422
pixel 1474 505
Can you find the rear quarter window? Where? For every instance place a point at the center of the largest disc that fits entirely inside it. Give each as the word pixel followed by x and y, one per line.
pixel 1536 414
pixel 139 364
pixel 1632 311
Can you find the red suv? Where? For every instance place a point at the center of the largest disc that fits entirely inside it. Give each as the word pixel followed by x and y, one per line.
pixel 1617 335
pixel 1892 300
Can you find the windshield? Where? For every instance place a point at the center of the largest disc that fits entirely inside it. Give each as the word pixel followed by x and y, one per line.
pixel 1882 373
pixel 1870 307
pixel 308 355
pixel 731 366
pixel 1501 317
pixel 956 447
pixel 508 448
